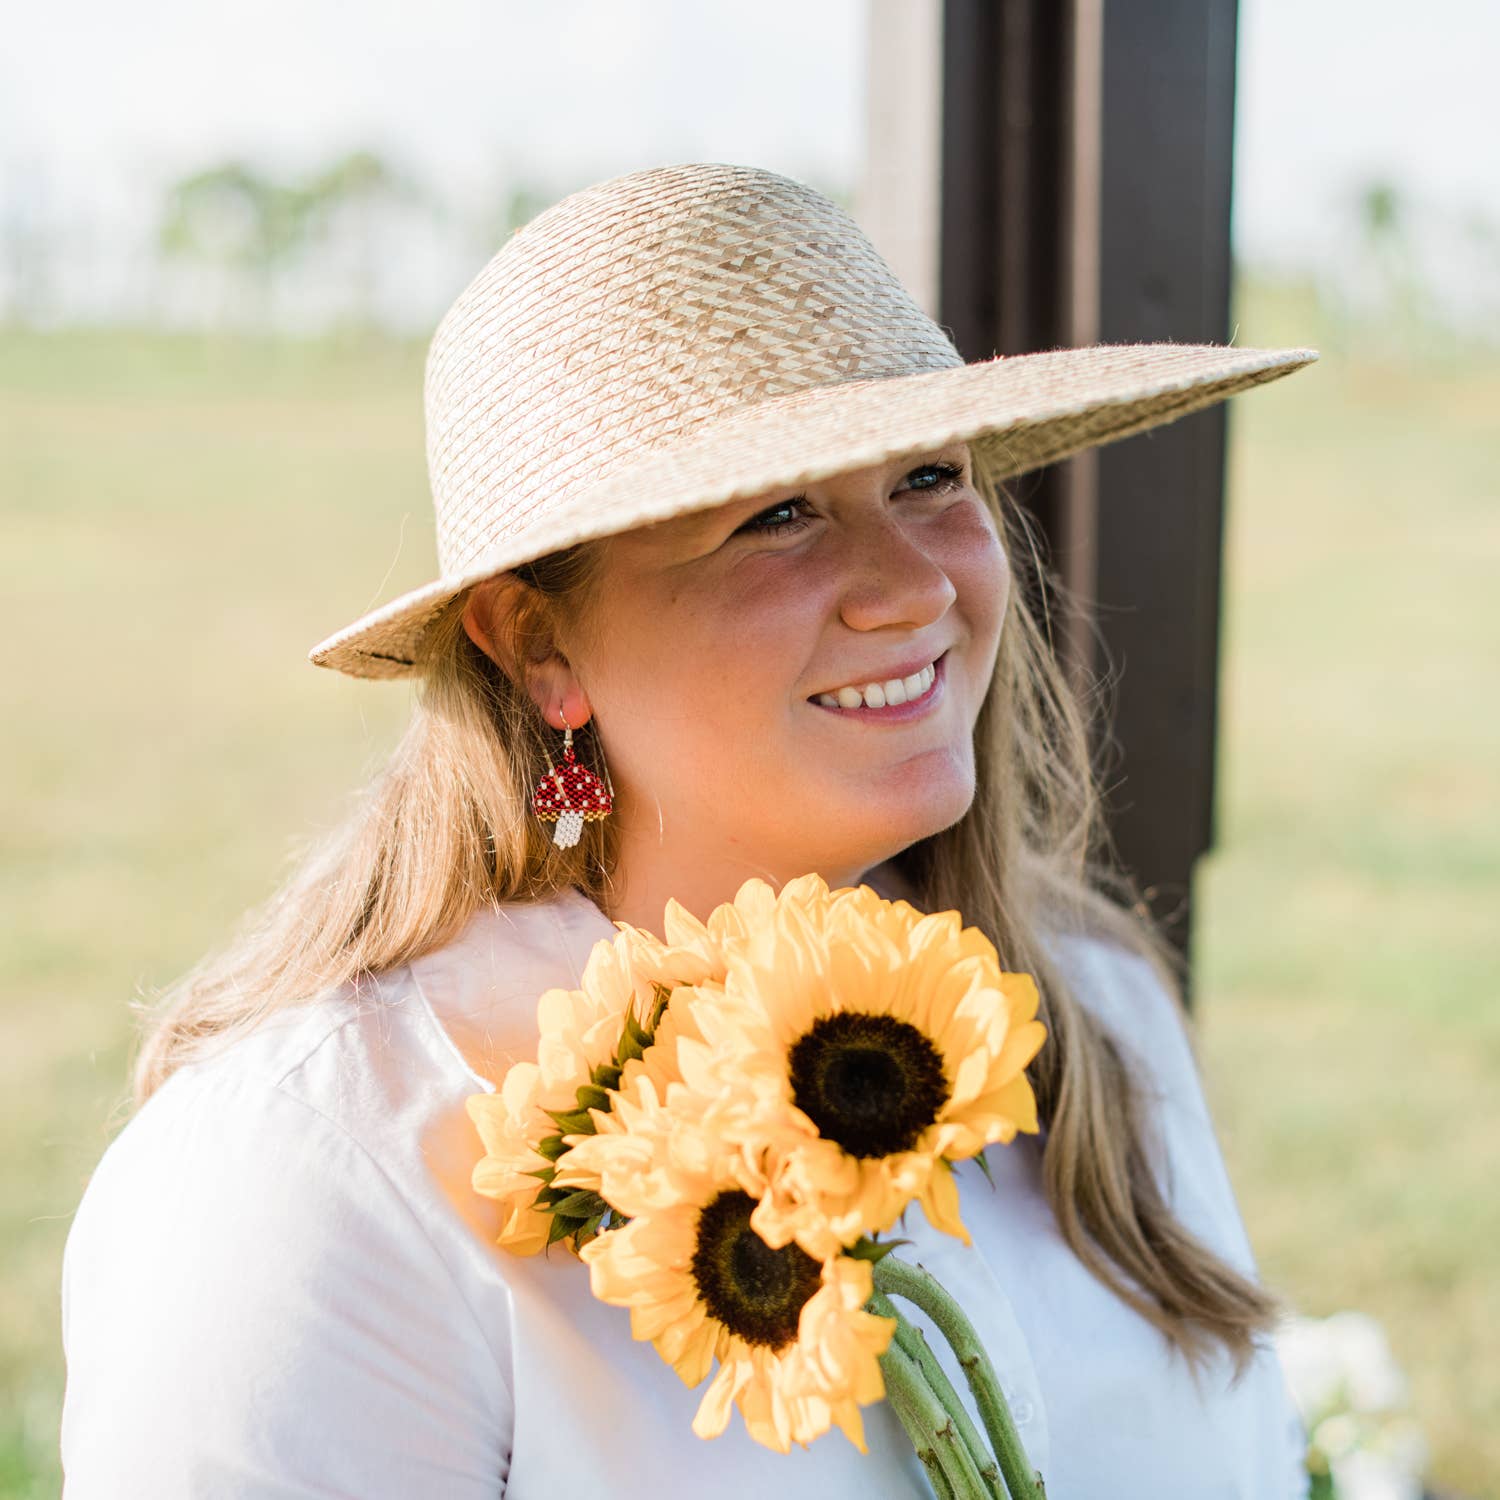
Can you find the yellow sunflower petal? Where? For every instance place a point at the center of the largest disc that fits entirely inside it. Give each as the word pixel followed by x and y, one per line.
pixel 670 1323
pixel 524 1231
pixel 940 1203
pixel 1022 1044
pixel 712 1416
pixel 851 1424
pixel 764 1402
pixel 996 1116
pixel 693 1356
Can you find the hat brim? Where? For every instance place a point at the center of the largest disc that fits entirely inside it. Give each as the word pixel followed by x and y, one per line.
pixel 1018 412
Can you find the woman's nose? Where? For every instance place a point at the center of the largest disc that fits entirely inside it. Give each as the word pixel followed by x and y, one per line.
pixel 891 579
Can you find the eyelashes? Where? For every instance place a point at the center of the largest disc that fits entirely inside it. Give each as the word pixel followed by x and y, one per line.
pixel 948 477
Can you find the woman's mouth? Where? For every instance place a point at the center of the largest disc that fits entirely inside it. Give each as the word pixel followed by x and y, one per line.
pixel 894 713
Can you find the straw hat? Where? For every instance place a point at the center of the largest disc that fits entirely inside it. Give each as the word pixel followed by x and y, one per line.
pixel 677 338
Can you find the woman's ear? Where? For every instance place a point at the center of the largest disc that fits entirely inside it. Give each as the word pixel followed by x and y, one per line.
pixel 490 621
pixel 487 621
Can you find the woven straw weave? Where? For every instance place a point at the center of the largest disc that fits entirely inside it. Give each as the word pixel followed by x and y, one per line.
pixel 684 336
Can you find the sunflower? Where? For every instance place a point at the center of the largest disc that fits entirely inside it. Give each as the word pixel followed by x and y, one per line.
pixel 591 1038
pixel 797 1351
pixel 731 923
pixel 862 1046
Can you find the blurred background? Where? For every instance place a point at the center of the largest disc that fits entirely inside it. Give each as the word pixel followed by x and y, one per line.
pixel 226 234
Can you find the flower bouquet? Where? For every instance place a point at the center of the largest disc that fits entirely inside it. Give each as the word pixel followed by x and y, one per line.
pixel 724 1123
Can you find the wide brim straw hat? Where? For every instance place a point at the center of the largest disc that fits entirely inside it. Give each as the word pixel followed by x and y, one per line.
pixel 681 337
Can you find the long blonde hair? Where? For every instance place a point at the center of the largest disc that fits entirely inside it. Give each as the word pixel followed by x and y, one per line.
pixel 445 827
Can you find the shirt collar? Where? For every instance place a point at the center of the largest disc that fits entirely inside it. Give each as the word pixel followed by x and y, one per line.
pixel 481 987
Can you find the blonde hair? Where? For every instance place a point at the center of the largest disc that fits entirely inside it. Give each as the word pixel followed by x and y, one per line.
pixel 445 827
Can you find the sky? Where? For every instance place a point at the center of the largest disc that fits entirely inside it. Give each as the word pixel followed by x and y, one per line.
pixel 1330 93
pixel 466 87
pixel 101 105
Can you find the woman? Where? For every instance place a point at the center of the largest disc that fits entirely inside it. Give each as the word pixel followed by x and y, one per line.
pixel 716 497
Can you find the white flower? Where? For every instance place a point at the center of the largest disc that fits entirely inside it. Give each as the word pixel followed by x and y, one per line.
pixel 1337 1435
pixel 1373 1379
pixel 1311 1362
pixel 1340 1363
pixel 1350 1393
pixel 1368 1474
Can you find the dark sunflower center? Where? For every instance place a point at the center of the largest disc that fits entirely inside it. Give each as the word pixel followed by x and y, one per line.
pixel 753 1290
pixel 871 1083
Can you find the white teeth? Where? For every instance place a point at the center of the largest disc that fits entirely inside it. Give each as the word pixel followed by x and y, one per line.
pixel 880 694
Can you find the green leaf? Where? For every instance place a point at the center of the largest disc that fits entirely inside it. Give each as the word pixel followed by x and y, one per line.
pixel 551 1147
pixel 607 1076
pixel 873 1251
pixel 590 1096
pixel 663 994
pixel 581 1204
pixel 633 1043
pixel 573 1121
pixel 559 1229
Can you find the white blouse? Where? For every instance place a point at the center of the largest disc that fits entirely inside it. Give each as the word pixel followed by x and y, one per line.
pixel 280 1283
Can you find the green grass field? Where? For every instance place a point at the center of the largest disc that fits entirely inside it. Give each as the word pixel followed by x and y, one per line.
pixel 184 518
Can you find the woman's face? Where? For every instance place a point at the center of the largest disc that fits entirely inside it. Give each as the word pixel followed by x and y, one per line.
pixel 714 634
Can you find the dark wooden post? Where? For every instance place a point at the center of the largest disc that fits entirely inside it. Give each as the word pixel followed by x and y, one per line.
pixel 1086 155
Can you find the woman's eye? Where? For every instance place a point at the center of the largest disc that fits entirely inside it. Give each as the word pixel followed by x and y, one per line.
pixel 947 476
pixel 943 477
pixel 777 527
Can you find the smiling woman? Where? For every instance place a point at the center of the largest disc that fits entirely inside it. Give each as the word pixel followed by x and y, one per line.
pixel 700 465
pixel 701 645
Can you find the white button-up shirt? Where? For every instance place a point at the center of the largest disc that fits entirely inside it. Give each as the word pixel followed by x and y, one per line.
pixel 280 1283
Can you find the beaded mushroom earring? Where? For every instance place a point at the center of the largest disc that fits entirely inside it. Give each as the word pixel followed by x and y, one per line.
pixel 570 794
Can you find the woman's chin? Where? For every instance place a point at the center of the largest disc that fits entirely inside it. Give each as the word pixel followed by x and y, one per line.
pixel 929 791
pixel 881 827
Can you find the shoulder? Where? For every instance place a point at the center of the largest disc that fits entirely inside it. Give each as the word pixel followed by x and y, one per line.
pixel 357 1096
pixel 1144 1018
pixel 277 1243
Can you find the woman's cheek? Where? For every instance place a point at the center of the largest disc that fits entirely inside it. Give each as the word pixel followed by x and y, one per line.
pixel 680 645
pixel 969 526
pixel 977 564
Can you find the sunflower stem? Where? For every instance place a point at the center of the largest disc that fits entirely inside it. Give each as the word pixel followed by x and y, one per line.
pixel 898 1278
pixel 931 1428
pixel 898 1389
pixel 914 1342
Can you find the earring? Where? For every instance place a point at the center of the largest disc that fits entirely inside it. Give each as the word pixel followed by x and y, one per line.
pixel 570 793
